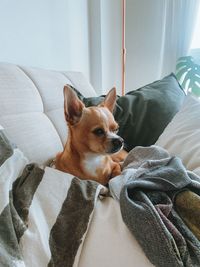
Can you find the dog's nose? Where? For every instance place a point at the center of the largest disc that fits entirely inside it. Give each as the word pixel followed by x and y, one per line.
pixel 117 142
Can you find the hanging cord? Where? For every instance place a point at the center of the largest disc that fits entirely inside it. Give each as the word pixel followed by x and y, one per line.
pixel 123 45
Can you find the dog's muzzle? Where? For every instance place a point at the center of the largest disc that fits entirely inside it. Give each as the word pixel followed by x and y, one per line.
pixel 116 144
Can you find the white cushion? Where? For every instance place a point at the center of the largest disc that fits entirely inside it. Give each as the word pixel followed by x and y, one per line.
pixel 33 133
pixel 58 119
pixel 17 92
pixel 49 85
pixel 31 108
pixel 182 135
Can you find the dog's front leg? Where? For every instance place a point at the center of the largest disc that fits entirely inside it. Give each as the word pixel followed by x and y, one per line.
pixel 116 170
pixel 119 156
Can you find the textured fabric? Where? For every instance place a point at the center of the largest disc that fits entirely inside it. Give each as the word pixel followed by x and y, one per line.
pixel 72 222
pixel 153 178
pixel 109 242
pixel 33 133
pixel 31 108
pixel 5 148
pixel 187 205
pixel 181 137
pixel 18 93
pixel 27 197
pixel 57 117
pixel 10 169
pixel 65 221
pixel 143 114
pixel 78 81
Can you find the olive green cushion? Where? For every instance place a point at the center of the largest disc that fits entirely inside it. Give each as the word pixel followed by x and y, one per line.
pixel 144 113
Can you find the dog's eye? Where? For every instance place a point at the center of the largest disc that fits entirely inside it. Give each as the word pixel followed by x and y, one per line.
pixel 99 132
pixel 116 130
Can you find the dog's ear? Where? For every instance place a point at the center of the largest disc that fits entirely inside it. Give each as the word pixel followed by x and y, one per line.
pixel 110 100
pixel 73 106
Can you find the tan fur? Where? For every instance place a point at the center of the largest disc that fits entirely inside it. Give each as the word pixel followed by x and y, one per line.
pixel 83 145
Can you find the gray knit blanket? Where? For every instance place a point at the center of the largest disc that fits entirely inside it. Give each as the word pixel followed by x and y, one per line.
pixel 160 204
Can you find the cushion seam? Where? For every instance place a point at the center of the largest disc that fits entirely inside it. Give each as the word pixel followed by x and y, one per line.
pixel 36 86
pixel 34 83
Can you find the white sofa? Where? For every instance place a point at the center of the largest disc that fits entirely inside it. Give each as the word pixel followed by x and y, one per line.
pixel 31 112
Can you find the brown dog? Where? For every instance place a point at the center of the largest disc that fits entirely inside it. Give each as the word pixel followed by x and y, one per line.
pixel 92 138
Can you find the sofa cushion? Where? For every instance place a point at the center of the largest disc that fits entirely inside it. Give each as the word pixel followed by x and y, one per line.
pixel 17 92
pixel 31 108
pixel 143 114
pixel 50 85
pixel 182 136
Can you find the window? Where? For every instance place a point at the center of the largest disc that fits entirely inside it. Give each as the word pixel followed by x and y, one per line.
pixel 195 44
pixel 196 35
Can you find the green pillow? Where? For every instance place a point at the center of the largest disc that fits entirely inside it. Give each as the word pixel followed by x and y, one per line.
pixel 144 113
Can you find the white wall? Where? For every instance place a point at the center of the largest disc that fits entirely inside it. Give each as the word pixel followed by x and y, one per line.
pixel 81 35
pixel 45 33
pixel 85 35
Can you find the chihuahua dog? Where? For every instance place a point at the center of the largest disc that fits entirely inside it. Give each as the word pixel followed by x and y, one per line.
pixel 92 145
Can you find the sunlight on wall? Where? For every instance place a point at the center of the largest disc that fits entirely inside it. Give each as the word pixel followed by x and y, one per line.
pixel 196 35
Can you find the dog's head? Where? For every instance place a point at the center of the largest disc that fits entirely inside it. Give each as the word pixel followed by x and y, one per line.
pixel 93 128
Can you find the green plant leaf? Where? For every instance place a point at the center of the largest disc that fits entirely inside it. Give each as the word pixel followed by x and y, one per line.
pixel 188 74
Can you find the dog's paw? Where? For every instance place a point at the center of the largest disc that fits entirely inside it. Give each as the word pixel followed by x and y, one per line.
pixel 119 156
pixel 116 170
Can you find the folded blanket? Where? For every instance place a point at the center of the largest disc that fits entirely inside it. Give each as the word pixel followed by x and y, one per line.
pixel 147 189
pixel 44 209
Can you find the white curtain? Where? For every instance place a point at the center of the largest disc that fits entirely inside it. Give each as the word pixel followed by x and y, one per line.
pixel 178 26
pixel 158 32
pixel 105 44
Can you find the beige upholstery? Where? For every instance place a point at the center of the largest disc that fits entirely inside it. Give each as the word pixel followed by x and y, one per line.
pixel 31 108
pixel 31 112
